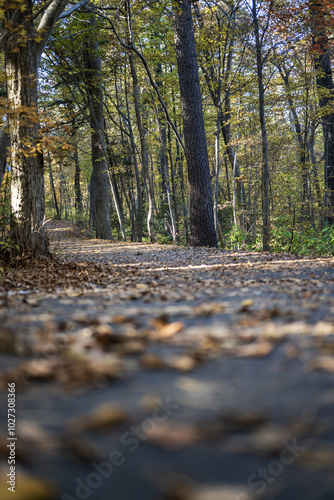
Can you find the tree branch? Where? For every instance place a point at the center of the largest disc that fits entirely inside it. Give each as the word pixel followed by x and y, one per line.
pixel 149 74
pixel 72 9
pixel 49 19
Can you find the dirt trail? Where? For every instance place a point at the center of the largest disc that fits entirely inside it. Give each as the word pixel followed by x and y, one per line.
pixel 157 372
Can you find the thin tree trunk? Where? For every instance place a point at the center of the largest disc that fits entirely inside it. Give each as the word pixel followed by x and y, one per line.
pixel 52 186
pixel 144 150
pixel 265 164
pixel 164 169
pixel 77 185
pixel 139 203
pixel 173 182
pixel 4 150
pixel 301 140
pixel 113 185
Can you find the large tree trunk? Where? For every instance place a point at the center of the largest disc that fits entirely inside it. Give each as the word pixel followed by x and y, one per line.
pixel 202 227
pixel 322 66
pixel 27 178
pixel 100 183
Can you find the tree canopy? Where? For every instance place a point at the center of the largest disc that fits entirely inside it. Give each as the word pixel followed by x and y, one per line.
pixel 96 104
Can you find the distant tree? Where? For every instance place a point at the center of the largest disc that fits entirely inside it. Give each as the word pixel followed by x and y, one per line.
pixel 100 183
pixel 321 22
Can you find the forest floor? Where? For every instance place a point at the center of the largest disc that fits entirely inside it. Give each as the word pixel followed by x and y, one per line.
pixel 147 372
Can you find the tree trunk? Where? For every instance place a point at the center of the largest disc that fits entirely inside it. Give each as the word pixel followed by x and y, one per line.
pixel 144 151
pixel 77 187
pixel 302 139
pixel 139 201
pixel 100 183
pixel 52 186
pixel 265 165
pixel 324 78
pixel 202 227
pixel 27 179
pixel 4 150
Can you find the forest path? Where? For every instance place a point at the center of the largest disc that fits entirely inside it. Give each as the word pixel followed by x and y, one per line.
pixel 158 372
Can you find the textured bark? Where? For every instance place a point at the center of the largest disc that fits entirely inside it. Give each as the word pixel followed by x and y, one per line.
pixel 138 212
pixel 324 78
pixel 302 138
pixel 27 179
pixel 143 150
pixel 265 164
pixel 52 186
pixel 100 183
pixel 202 228
pixel 77 185
pixel 4 150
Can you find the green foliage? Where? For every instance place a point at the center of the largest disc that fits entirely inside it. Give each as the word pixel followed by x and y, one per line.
pixel 7 249
pixel 310 241
pixel 236 238
pixel 298 240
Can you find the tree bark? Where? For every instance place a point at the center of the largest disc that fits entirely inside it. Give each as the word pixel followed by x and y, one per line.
pixel 77 185
pixel 27 178
pixel 143 150
pixel 265 164
pixel 202 227
pixel 139 201
pixel 4 150
pixel 324 79
pixel 22 55
pixel 100 183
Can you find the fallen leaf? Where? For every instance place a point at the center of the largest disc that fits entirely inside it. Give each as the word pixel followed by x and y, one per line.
pixel 174 435
pixel 152 361
pixel 322 363
pixel 103 417
pixel 256 349
pixel 182 363
pixel 245 305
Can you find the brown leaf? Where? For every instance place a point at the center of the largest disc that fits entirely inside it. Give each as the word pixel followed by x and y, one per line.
pixel 7 341
pixel 223 492
pixel 40 369
pixel 322 363
pixel 245 305
pixel 166 330
pixel 318 457
pixel 183 363
pixel 209 308
pixel 174 435
pixel 152 361
pixel 256 349
pixel 103 417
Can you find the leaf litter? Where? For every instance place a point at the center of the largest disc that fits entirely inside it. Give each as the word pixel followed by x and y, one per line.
pixel 194 306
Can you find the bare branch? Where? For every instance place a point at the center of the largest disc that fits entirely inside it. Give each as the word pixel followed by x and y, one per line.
pixel 149 74
pixel 72 9
pixel 49 19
